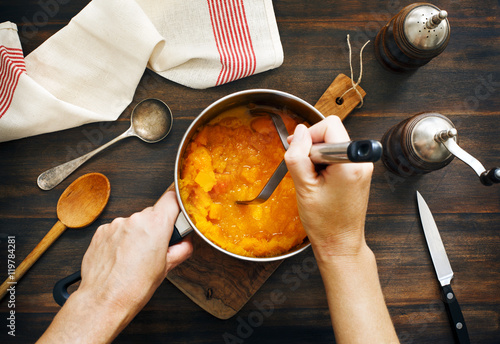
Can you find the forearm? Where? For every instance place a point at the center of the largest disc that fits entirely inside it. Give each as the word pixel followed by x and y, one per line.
pixel 83 320
pixel 357 306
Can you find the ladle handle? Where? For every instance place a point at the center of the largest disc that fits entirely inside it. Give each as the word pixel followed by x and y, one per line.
pixel 60 292
pixel 490 177
pixel 28 262
pixel 51 178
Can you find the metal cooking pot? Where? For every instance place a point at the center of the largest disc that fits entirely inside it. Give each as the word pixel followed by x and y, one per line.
pixel 274 98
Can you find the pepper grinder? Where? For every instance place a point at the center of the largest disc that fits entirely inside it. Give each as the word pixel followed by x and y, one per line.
pixel 427 142
pixel 413 37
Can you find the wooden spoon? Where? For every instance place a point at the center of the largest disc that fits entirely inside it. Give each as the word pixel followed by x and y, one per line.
pixel 79 205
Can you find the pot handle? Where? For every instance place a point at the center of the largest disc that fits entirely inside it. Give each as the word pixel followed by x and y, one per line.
pixel 181 229
pixel 60 292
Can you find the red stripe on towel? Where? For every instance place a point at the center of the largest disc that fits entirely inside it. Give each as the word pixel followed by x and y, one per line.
pixel 11 67
pixel 248 40
pixel 233 39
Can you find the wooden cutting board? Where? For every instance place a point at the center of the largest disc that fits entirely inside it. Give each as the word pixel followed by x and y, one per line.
pixel 222 285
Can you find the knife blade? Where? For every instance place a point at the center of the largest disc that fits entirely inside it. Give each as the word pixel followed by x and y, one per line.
pixel 443 271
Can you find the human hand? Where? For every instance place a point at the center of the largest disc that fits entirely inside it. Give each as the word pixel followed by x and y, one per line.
pixel 124 264
pixel 129 258
pixel 332 203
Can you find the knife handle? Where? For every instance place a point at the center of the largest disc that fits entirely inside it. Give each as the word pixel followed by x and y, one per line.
pixel 455 315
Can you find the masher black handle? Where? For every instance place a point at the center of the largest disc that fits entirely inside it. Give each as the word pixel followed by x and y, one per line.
pixel 351 151
pixel 364 151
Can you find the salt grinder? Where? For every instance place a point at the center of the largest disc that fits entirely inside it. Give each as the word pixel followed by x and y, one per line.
pixel 413 37
pixel 427 142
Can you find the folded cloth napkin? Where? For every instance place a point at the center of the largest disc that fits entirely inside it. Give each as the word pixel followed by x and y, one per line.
pixel 89 70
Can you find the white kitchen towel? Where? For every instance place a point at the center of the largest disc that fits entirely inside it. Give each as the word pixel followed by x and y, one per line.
pixel 89 70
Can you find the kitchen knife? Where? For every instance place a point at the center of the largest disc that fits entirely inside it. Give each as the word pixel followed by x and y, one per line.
pixel 443 271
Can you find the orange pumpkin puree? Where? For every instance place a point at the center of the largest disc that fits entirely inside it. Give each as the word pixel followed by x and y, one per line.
pixel 232 158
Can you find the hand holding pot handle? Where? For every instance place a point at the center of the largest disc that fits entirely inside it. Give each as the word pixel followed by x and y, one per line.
pixel 60 292
pixel 104 247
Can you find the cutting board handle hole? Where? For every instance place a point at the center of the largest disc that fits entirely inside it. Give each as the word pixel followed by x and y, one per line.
pixel 339 101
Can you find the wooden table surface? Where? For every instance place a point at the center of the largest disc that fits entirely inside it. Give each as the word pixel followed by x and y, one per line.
pixel 463 83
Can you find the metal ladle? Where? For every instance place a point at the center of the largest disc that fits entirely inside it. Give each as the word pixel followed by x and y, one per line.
pixel 151 121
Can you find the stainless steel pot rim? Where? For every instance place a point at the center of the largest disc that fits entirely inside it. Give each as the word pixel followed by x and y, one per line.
pixel 180 152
